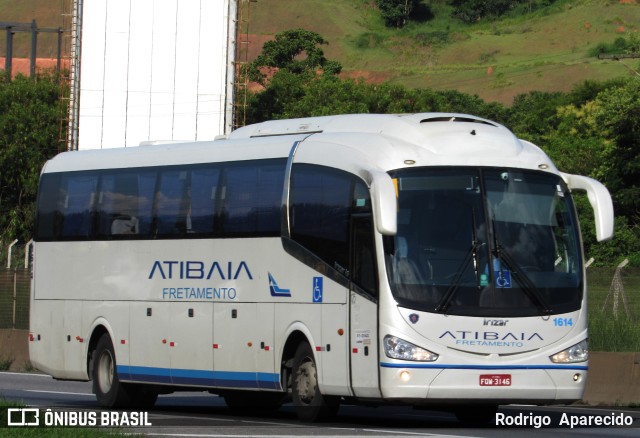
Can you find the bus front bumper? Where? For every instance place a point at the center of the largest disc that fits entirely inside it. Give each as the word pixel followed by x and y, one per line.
pixel 534 384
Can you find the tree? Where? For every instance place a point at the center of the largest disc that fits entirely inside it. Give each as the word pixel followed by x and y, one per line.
pixel 285 68
pixel 396 13
pixel 596 134
pixel 329 95
pixel 295 51
pixel 625 242
pixel 589 90
pixel 534 115
pixel 288 95
pixel 574 143
pixel 279 93
pixel 617 116
pixel 471 11
pixel 29 132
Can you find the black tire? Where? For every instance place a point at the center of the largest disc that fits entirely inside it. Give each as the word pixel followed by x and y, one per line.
pixel 476 415
pixel 309 403
pixel 106 385
pixel 109 391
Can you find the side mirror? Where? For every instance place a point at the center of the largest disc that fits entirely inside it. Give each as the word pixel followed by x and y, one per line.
pixel 385 203
pixel 600 200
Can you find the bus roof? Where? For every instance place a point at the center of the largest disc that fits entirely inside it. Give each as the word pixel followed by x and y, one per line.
pixel 170 154
pixel 383 141
pixel 390 142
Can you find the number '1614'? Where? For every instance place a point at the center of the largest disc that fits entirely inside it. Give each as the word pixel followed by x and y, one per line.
pixel 561 322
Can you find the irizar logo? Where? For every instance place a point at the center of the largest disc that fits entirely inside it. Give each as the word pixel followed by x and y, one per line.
pixel 276 291
pixel 496 322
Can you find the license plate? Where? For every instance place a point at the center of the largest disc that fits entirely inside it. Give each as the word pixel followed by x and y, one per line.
pixel 495 380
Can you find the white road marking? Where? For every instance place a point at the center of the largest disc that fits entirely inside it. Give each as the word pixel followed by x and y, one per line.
pixel 59 392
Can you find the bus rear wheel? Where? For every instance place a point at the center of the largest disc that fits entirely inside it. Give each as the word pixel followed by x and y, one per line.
pixel 310 403
pixel 106 385
pixel 109 391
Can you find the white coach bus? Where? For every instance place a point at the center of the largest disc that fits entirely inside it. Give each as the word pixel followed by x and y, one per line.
pixel 427 259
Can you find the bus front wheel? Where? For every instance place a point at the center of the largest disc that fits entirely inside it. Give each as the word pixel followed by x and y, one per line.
pixel 310 404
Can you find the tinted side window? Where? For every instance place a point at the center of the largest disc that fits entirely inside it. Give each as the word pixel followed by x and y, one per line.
pixel 75 203
pixel 321 200
pixel 125 200
pixel 49 217
pixel 252 198
pixel 202 200
pixel 172 203
pixel 146 192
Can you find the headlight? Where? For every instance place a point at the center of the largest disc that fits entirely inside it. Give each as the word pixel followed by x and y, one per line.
pixel 397 348
pixel 576 353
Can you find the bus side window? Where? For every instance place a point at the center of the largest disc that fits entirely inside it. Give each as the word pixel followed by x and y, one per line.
pixel 202 200
pixel 146 192
pixel 251 198
pixel 124 204
pixel 76 204
pixel 172 203
pixel 49 217
pixel 321 201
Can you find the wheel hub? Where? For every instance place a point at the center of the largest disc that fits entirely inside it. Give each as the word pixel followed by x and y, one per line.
pixel 306 382
pixel 105 372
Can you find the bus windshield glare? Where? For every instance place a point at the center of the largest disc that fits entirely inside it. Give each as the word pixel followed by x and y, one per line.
pixel 485 242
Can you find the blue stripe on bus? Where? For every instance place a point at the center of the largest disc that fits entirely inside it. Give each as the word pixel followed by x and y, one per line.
pixel 483 367
pixel 235 379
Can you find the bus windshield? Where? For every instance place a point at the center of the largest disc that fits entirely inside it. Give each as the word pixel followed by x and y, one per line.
pixel 484 242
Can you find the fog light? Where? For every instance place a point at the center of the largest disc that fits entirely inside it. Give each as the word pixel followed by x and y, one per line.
pixel 405 376
pixel 577 377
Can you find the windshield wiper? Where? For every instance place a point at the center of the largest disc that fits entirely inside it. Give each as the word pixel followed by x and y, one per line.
pixel 527 285
pixel 472 254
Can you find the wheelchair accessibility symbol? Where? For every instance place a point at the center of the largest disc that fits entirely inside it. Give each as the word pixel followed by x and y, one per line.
pixel 503 279
pixel 317 289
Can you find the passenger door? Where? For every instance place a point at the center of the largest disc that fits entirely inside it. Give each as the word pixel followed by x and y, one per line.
pixel 363 312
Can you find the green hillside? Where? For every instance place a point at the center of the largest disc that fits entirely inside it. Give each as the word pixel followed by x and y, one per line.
pixel 545 50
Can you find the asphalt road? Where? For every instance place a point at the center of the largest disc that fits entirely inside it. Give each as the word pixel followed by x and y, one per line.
pixel 199 414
